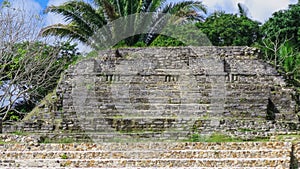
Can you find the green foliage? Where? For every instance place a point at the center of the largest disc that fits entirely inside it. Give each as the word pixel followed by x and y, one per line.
pixel 64 52
pixel 20 133
pixel 287 138
pixel 13 116
pixel 230 29
pixel 291 60
pixel 197 138
pixel 245 129
pixel 182 35
pixel 85 19
pixel 285 24
pixel 64 156
pixel 123 44
pixel 60 141
pixel 163 40
pixel 215 137
pixel 92 54
pixel 38 51
pixel 140 44
pixel 6 4
pixel 33 69
pixel 281 40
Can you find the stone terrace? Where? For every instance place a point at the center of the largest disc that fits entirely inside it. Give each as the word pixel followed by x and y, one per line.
pixel 148 94
pixel 148 155
pixel 163 94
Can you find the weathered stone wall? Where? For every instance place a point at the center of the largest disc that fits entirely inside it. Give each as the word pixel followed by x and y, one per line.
pixel 149 155
pixel 170 93
pixel 296 155
pixel 0 125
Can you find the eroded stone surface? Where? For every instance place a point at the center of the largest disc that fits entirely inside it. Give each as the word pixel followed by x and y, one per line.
pixel 148 155
pixel 169 94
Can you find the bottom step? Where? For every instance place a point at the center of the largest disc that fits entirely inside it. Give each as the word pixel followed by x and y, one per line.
pixel 146 163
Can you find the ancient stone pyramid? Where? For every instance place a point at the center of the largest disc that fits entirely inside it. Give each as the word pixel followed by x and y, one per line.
pixel 171 93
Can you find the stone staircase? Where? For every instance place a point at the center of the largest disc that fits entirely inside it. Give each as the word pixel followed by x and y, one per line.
pixel 166 94
pixel 147 155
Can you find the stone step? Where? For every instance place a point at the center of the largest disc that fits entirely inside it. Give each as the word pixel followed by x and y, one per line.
pixel 167 163
pixel 145 118
pixel 172 116
pixel 163 154
pixel 154 146
pixel 152 106
pixel 152 168
pixel 171 113
pixel 139 131
pixel 175 90
pixel 136 109
pixel 168 102
pixel 165 112
pixel 141 108
pixel 139 118
pixel 143 136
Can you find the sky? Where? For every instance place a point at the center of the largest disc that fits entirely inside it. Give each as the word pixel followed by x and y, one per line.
pixel 259 10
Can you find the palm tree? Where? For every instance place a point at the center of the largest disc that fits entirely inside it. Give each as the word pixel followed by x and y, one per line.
pixel 84 19
pixel 243 10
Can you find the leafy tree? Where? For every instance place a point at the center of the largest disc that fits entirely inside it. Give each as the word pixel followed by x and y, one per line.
pixel 281 38
pixel 284 24
pixel 29 68
pixel 163 40
pixel 271 49
pixel 230 29
pixel 84 19
pixel 291 61
pixel 182 35
pixel 28 72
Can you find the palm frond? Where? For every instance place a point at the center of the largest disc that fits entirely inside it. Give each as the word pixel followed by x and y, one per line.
pixel 97 2
pixel 85 21
pixel 156 5
pixel 80 13
pixel 190 10
pixel 172 8
pixel 243 11
pixel 140 5
pixel 118 5
pixel 134 7
pixel 145 5
pixel 61 30
pixel 159 22
pixel 109 10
